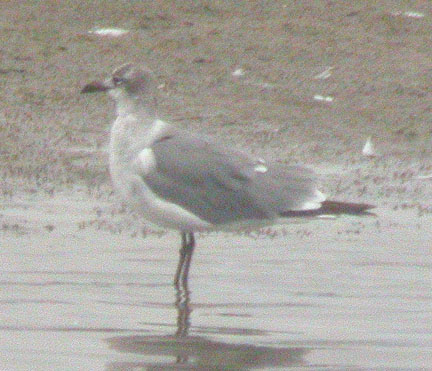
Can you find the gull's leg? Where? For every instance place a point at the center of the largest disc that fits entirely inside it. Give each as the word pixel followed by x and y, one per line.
pixel 186 252
pixel 188 259
pixel 181 285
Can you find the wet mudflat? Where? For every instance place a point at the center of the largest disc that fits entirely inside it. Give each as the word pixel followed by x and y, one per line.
pixel 339 293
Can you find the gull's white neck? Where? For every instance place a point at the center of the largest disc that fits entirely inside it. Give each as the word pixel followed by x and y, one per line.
pixel 133 105
pixel 135 127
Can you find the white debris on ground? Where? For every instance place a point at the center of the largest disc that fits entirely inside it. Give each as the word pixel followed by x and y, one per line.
pixel 369 148
pixel 327 216
pixel 424 177
pixel 110 31
pixel 261 85
pixel 325 74
pixel 238 72
pixel 409 14
pixel 323 98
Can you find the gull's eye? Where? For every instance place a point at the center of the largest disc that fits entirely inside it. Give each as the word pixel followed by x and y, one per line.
pixel 117 80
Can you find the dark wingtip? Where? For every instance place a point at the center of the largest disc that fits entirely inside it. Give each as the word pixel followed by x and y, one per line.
pixel 94 87
pixel 334 208
pixel 347 207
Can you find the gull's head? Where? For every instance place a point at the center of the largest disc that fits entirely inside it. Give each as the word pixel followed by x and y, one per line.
pixel 126 82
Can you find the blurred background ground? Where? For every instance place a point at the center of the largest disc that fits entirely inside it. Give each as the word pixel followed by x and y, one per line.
pixel 51 137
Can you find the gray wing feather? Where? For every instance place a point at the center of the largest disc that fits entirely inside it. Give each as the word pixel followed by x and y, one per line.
pixel 221 185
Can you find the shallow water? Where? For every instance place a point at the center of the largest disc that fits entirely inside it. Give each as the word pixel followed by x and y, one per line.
pixel 340 294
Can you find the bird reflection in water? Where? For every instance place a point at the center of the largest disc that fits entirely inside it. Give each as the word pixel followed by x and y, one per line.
pixel 184 351
pixel 182 301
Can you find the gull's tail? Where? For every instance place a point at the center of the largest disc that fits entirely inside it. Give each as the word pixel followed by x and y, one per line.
pixel 333 208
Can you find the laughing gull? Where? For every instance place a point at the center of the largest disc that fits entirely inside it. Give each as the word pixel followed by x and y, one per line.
pixel 188 182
